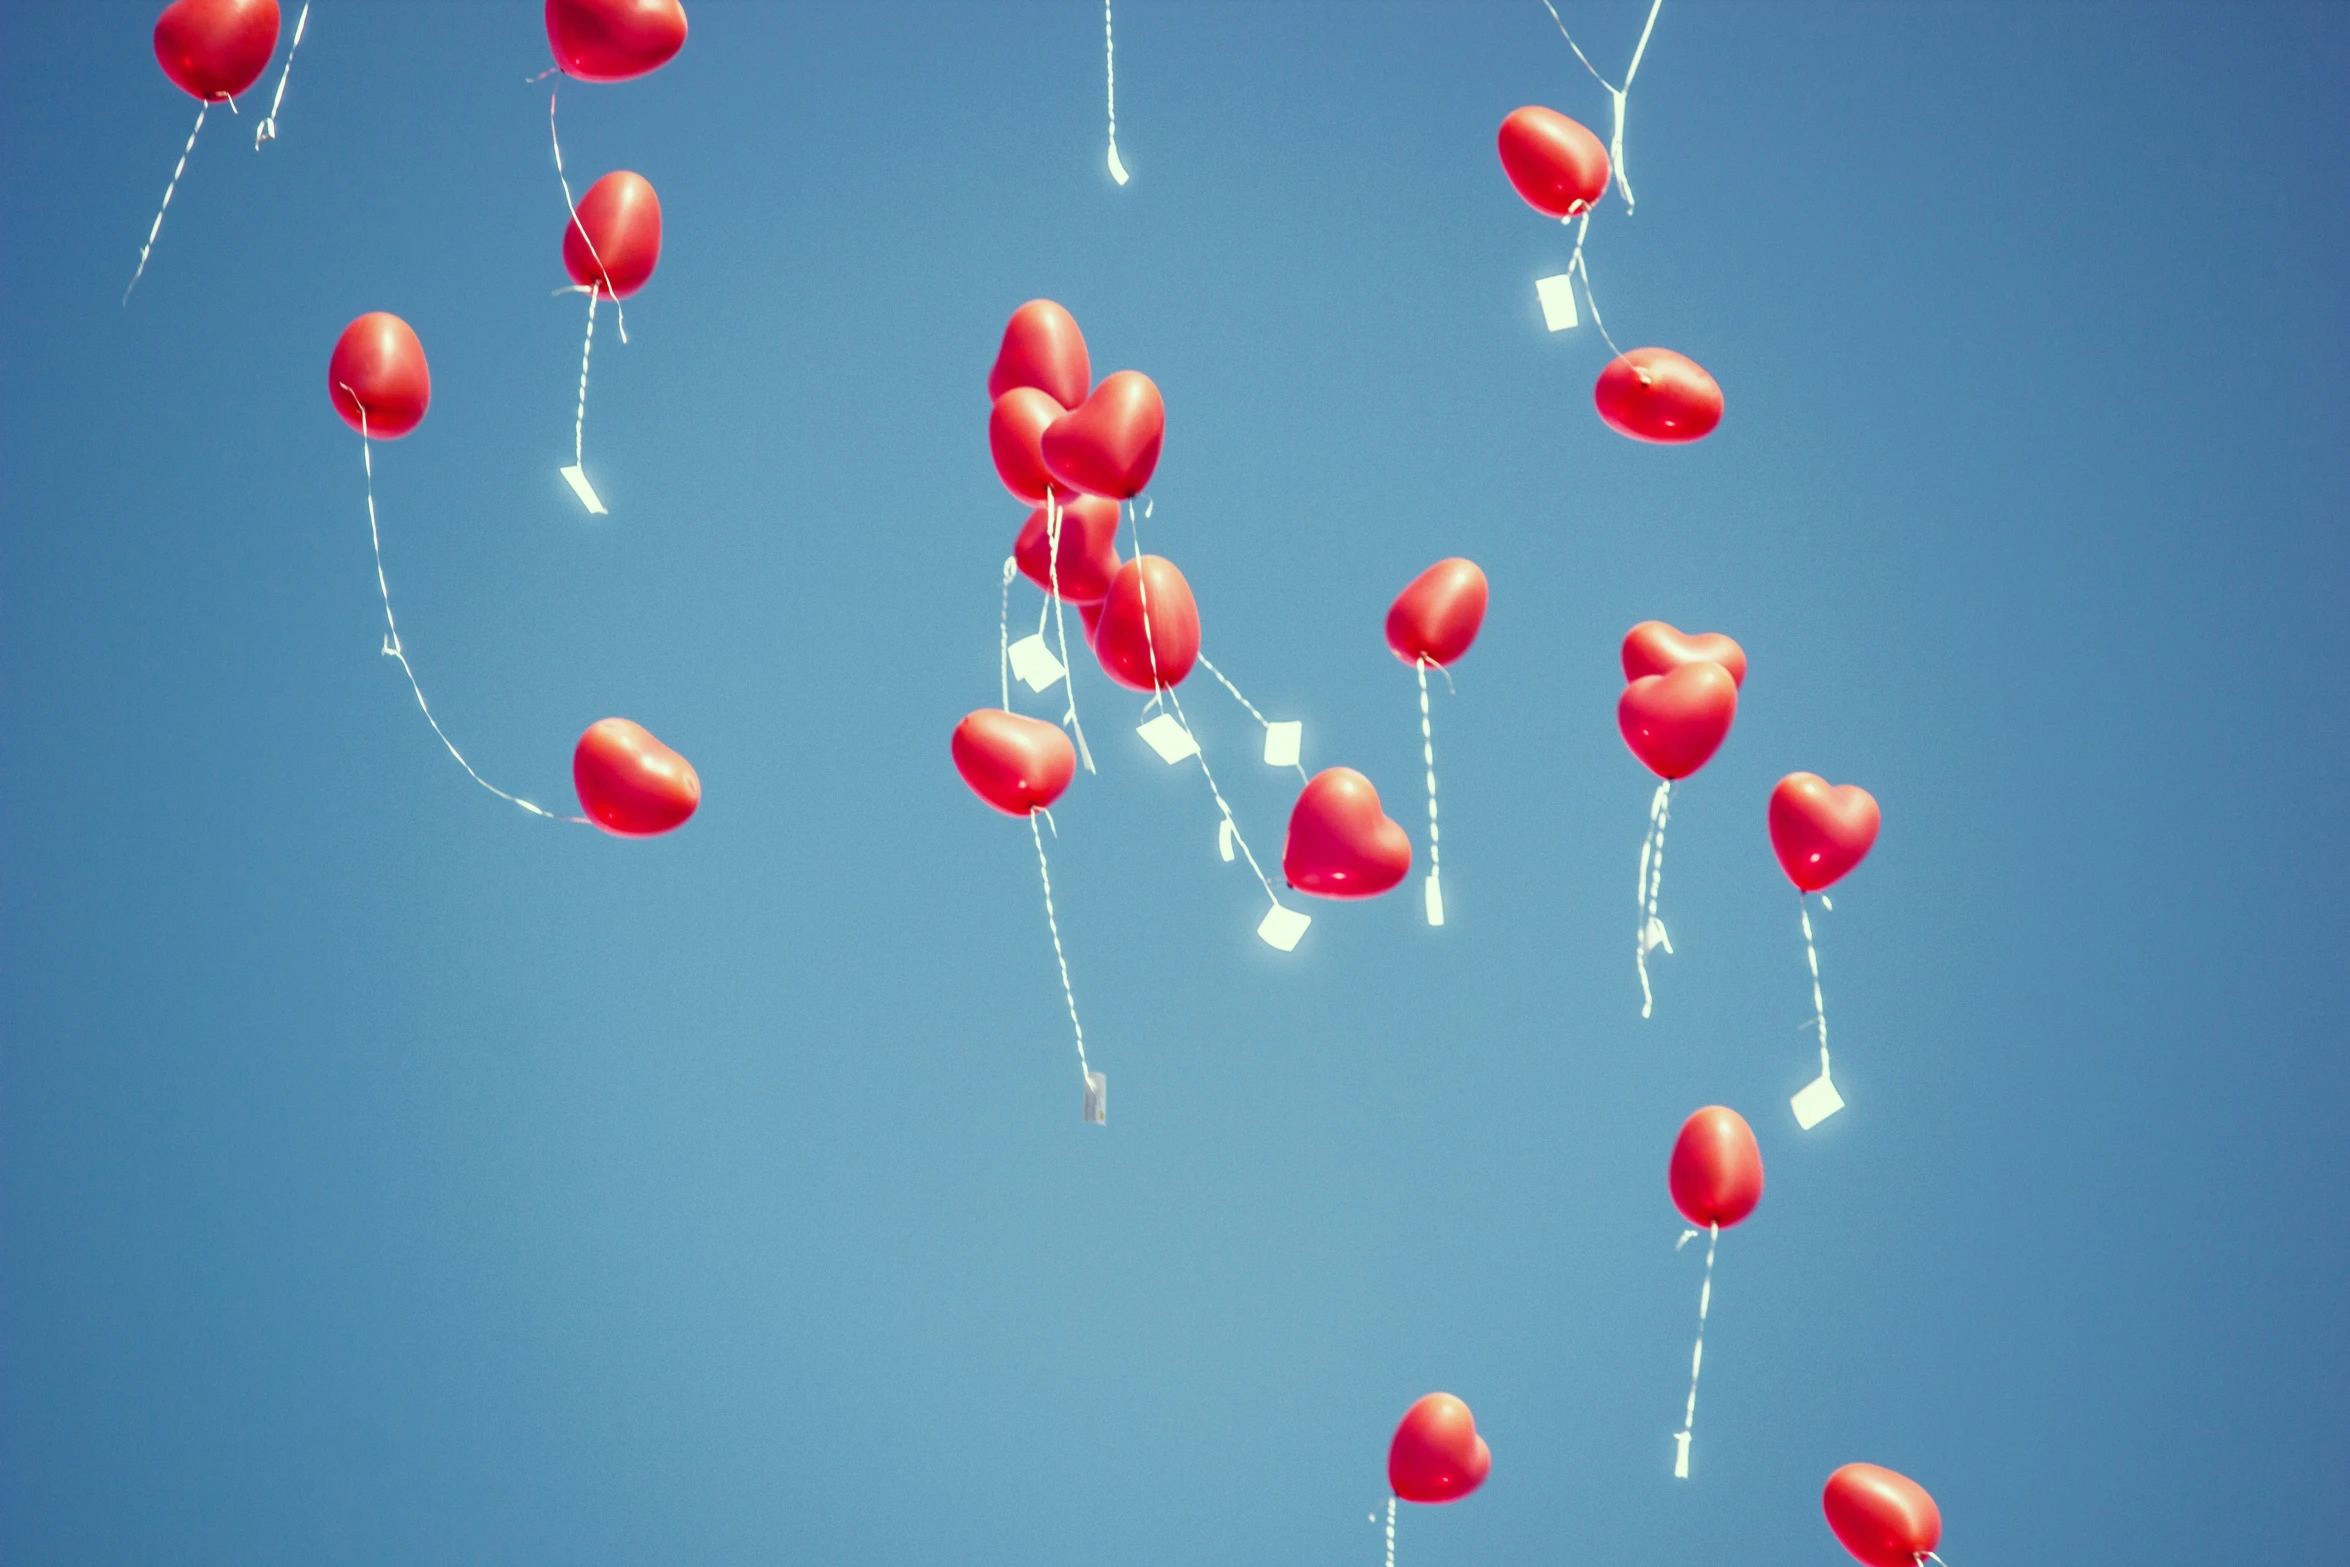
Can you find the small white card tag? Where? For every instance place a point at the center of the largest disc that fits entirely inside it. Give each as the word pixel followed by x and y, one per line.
pixel 1818 1101
pixel 1224 839
pixel 1282 928
pixel 1558 300
pixel 1169 738
pixel 1435 900
pixel 1654 937
pixel 1283 742
pixel 584 490
pixel 1033 663
pixel 1117 169
pixel 1097 1098
pixel 1680 1455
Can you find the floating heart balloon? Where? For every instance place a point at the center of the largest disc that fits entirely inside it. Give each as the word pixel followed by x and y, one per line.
pixel 1148 634
pixel 629 783
pixel 1654 648
pixel 1341 845
pixel 379 365
pixel 1089 549
pixel 1437 1455
pixel 1883 1518
pixel 614 40
pixel 1675 722
pixel 215 49
pixel 1015 431
pixel 1654 394
pixel 1556 164
pixel 1042 348
pixel 1439 615
pixel 1015 763
pixel 1716 1175
pixel 620 218
pixel 1110 444
pixel 1820 831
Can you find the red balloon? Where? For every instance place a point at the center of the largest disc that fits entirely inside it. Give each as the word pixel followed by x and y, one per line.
pixel 1132 653
pixel 215 49
pixel 1439 615
pixel 622 217
pixel 1654 648
pixel 1717 1171
pixel 1341 845
pixel 1654 394
pixel 1109 445
pixel 1015 431
pixel 1089 549
pixel 1821 831
pixel 629 783
pixel 1437 1455
pixel 1015 763
pixel 1674 723
pixel 1883 1518
pixel 1557 165
pixel 1042 348
pixel 614 40
pixel 379 365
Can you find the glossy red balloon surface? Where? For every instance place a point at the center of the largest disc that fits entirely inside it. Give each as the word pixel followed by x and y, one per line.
pixel 1015 436
pixel 1439 615
pixel 1341 844
pixel 215 49
pixel 1654 648
pixel 1042 348
pixel 1437 1455
pixel 1654 394
pixel 1820 831
pixel 1091 614
pixel 1556 164
pixel 1716 1175
pixel 1110 444
pixel 1171 646
pixel 614 40
pixel 622 217
pixel 629 783
pixel 1089 549
pixel 378 364
pixel 1015 763
pixel 1883 1518
pixel 1674 723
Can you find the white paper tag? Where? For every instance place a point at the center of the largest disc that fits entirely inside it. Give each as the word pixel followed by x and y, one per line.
pixel 1283 741
pixel 1654 937
pixel 584 490
pixel 1680 1455
pixel 1435 900
pixel 1165 735
pixel 1033 663
pixel 1224 839
pixel 1282 928
pixel 1097 1098
pixel 1558 300
pixel 1818 1101
pixel 1117 169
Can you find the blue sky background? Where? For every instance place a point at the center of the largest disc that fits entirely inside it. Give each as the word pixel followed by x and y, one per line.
pixel 387 1177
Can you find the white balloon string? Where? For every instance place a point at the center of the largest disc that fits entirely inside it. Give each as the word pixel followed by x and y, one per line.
pixel 1226 683
pixel 1582 266
pixel 1428 760
pixel 393 647
pixel 579 420
pixel 1617 96
pixel 1003 633
pixel 1651 930
pixel 1052 526
pixel 1819 1007
pixel 1045 872
pixel 620 316
pixel 1705 1297
pixel 157 226
pixel 1391 1532
pixel 267 129
pixel 1110 76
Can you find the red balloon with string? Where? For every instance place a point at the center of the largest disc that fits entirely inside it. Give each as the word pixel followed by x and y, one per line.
pixel 1088 556
pixel 616 241
pixel 1109 444
pixel 1015 435
pixel 1716 1174
pixel 629 783
pixel 1043 349
pixel 1655 648
pixel 378 366
pixel 614 40
pixel 1884 1518
pixel 1149 631
pixel 1015 763
pixel 1557 165
pixel 1675 722
pixel 1654 394
pixel 1438 616
pixel 1436 1454
pixel 1819 830
pixel 215 49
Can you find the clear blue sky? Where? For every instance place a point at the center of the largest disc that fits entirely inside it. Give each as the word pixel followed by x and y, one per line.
pixel 388 1178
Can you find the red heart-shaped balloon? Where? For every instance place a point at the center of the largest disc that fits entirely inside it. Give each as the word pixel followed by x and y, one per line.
pixel 1341 845
pixel 379 365
pixel 1654 648
pixel 1883 1518
pixel 629 783
pixel 1716 1176
pixel 1556 164
pixel 1820 831
pixel 1675 722
pixel 1042 348
pixel 1654 394
pixel 1439 615
pixel 1015 763
pixel 1015 436
pixel 1148 633
pixel 614 40
pixel 620 218
pixel 1088 554
pixel 1437 1455
pixel 215 49
pixel 1109 445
